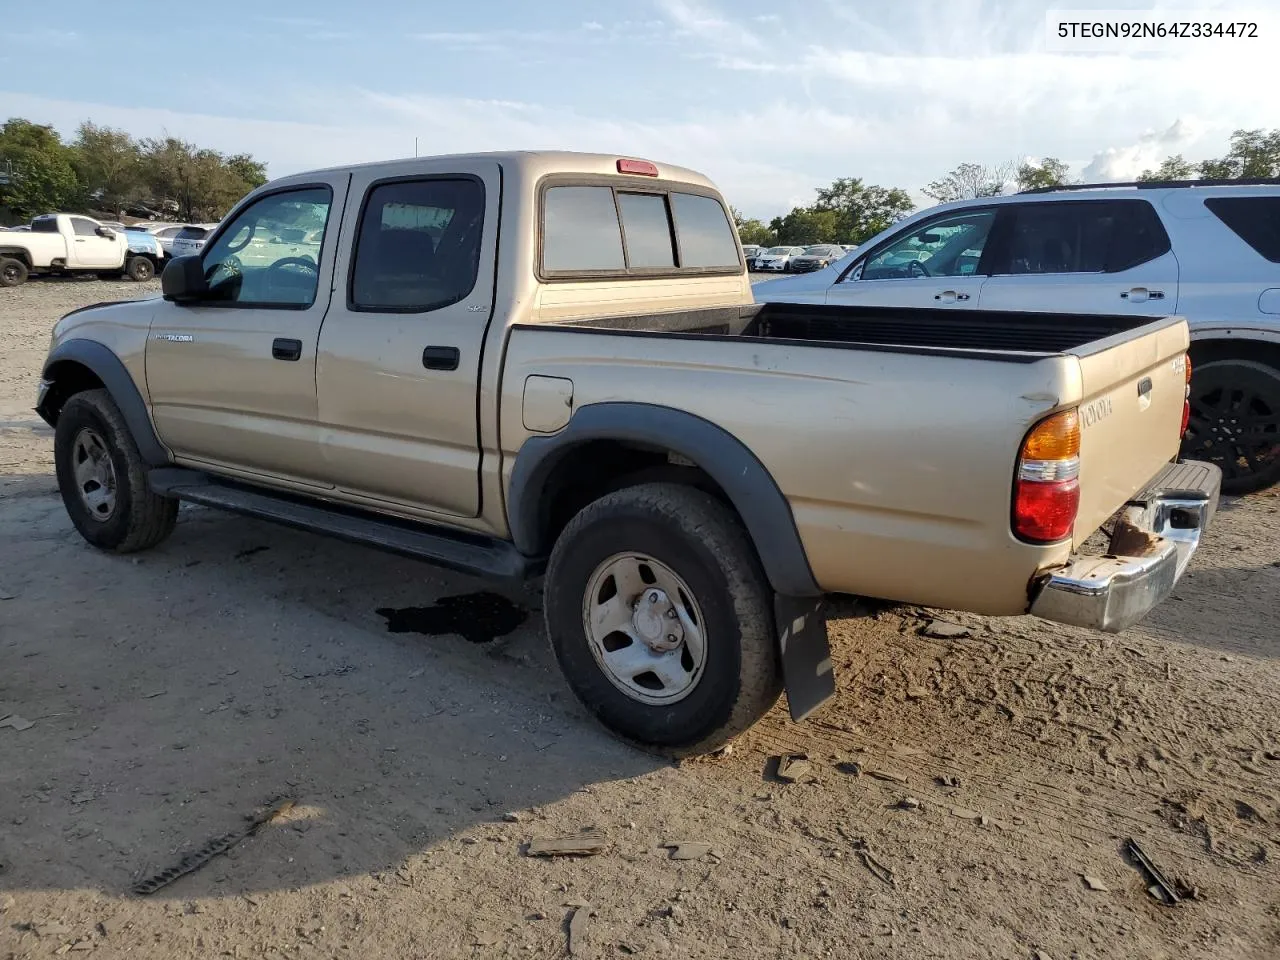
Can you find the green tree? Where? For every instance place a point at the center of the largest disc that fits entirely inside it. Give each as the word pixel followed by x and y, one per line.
pixel 203 182
pixel 806 225
pixel 109 164
pixel 751 231
pixel 1049 172
pixel 42 178
pixel 1172 168
pixel 1253 153
pixel 861 210
pixel 971 180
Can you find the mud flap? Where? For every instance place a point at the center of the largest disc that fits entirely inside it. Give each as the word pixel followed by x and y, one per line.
pixel 806 655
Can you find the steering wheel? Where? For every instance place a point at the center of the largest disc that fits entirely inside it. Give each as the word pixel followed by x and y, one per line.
pixel 915 265
pixel 305 263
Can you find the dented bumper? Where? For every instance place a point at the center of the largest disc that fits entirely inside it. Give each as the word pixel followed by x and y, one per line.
pixel 1154 539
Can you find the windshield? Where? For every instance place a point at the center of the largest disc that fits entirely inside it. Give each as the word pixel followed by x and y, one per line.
pixel 778 251
pixel 822 250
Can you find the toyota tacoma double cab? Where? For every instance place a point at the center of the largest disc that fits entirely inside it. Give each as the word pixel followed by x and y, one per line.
pixel 526 365
pixel 68 243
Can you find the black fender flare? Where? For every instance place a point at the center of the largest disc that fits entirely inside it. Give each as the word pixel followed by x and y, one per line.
pixel 108 368
pixel 726 459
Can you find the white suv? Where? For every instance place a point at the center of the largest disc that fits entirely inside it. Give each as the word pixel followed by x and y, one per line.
pixel 1209 251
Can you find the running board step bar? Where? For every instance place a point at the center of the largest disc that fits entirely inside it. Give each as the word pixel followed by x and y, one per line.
pixel 477 555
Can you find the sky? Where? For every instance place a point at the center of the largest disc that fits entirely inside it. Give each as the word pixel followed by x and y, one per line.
pixel 769 99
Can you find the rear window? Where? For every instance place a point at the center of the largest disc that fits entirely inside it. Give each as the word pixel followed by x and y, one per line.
pixel 602 230
pixel 1255 220
pixel 44 225
pixel 192 233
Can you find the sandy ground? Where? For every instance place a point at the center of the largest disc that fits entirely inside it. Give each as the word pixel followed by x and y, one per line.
pixel 176 692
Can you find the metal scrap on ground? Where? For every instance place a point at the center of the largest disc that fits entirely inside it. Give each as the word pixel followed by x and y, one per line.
pixel 1159 887
pixel 217 846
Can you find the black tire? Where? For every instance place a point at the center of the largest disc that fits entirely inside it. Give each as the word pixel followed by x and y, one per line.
pixel 138 519
pixel 702 541
pixel 1235 422
pixel 140 269
pixel 13 272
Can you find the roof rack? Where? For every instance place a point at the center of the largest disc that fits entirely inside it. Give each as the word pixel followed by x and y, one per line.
pixel 1160 184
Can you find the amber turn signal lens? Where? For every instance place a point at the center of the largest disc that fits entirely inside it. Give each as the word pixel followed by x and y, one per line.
pixel 1057 438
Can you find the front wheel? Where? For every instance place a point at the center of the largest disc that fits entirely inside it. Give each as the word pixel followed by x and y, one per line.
pixel 660 618
pixel 103 480
pixel 1235 422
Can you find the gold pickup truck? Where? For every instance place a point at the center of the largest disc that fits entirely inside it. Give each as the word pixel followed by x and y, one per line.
pixel 549 364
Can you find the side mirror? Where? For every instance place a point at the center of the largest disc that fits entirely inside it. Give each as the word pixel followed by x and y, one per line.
pixel 183 280
pixel 106 233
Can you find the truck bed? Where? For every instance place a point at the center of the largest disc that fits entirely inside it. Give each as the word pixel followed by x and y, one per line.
pixel 995 335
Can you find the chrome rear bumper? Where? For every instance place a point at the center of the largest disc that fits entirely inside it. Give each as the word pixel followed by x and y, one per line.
pixel 1155 535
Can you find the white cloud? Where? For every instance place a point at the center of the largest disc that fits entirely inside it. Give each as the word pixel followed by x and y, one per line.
pixel 699 21
pixel 1125 163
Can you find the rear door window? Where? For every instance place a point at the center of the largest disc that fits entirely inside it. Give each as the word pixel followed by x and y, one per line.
pixel 419 245
pixel 1255 220
pixel 1080 236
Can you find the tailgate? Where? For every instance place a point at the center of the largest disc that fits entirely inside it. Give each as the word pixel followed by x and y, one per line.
pixel 1134 387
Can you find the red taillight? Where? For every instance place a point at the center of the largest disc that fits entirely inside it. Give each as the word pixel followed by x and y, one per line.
pixel 1186 403
pixel 1046 512
pixel 642 168
pixel 1046 492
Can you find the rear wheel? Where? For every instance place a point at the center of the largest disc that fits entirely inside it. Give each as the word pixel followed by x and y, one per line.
pixel 13 272
pixel 140 269
pixel 1235 422
pixel 660 617
pixel 103 480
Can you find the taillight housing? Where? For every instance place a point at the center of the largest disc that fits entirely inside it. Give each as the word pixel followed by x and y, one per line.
pixel 1046 490
pixel 1186 402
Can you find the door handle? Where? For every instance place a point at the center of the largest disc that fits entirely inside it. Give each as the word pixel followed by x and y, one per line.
pixel 950 296
pixel 441 358
pixel 282 348
pixel 1141 295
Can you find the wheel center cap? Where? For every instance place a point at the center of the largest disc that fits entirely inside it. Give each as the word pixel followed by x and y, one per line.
pixel 656 622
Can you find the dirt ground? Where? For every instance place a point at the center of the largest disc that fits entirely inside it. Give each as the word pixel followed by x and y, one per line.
pixel 962 789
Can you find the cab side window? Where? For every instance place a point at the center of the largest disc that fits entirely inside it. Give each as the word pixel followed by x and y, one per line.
pixel 83 227
pixel 418 246
pixel 950 246
pixel 269 255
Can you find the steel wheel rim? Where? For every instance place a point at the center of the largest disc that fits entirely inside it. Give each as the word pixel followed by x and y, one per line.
pixel 1235 425
pixel 10 272
pixel 95 474
pixel 645 629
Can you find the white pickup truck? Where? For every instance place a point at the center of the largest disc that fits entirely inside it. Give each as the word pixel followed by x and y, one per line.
pixel 69 243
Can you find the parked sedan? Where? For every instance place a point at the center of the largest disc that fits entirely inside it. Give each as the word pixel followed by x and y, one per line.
pixel 817 257
pixel 777 259
pixel 163 232
pixel 749 253
pixel 190 239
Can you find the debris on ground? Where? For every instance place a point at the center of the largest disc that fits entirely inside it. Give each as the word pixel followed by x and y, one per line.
pixel 908 803
pixel 512 817
pixel 851 768
pixel 877 869
pixel 915 692
pixel 794 768
pixel 963 814
pixel 1159 886
pixel 947 780
pixel 585 845
pixel 945 630
pixel 888 776
pixel 16 722
pixel 687 849
pixel 578 930
pixel 216 847
pixel 1093 883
